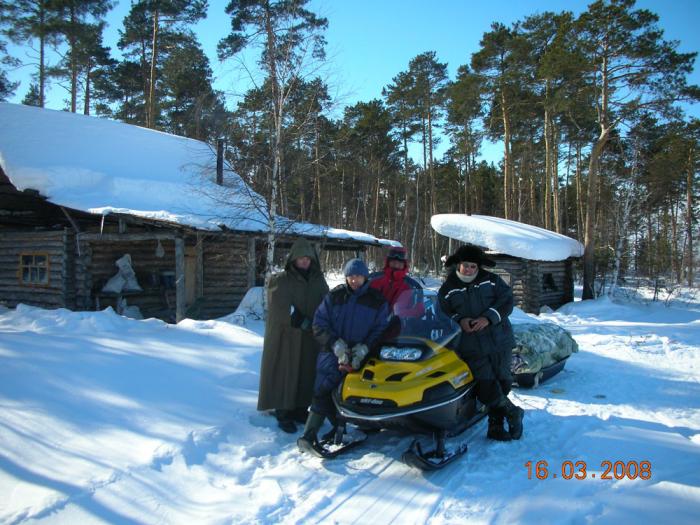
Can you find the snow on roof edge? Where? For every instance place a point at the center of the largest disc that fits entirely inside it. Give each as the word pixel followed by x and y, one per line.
pixel 507 237
pixel 102 166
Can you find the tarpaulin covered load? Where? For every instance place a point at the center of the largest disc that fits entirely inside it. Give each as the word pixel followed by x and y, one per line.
pixel 540 345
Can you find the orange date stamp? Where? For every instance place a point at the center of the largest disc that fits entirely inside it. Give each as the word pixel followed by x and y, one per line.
pixel 579 470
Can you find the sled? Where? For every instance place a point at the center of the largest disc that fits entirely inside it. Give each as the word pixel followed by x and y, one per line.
pixel 532 380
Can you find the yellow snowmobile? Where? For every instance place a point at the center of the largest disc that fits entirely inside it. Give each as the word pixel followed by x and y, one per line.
pixel 417 383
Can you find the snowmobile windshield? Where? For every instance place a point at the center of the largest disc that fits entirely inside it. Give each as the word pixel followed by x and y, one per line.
pixel 424 320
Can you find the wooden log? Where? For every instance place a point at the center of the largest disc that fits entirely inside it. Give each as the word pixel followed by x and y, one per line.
pixel 127 237
pixel 199 266
pixel 180 279
pixel 251 263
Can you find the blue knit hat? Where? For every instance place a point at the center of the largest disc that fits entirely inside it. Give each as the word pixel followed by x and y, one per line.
pixel 356 267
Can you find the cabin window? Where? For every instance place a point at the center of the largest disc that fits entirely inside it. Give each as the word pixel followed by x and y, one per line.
pixel 34 268
pixel 504 275
pixel 548 283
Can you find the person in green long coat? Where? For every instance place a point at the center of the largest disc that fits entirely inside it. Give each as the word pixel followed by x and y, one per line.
pixel 289 354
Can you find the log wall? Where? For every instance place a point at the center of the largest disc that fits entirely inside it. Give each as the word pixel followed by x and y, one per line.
pixel 226 275
pixel 14 243
pixel 537 283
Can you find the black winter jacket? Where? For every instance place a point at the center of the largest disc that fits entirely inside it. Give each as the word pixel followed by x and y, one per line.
pixel 486 296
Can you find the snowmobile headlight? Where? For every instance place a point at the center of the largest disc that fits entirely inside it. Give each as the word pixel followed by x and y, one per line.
pixel 402 353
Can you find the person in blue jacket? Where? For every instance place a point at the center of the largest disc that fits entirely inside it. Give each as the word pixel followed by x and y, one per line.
pixel 348 324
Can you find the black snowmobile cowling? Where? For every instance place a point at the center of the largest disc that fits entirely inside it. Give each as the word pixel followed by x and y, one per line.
pixel 416 383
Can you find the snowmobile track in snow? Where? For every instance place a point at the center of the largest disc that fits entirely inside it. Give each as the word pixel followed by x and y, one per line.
pixel 390 488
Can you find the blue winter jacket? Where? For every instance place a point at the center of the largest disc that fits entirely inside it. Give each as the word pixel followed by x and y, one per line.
pixel 359 317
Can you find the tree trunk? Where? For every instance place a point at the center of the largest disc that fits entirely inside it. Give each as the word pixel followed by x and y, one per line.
pixel 507 161
pixel 42 55
pixel 565 213
pixel 151 111
pixel 591 209
pixel 620 242
pixel 86 105
pixel 414 237
pixel 317 168
pixel 580 200
pixel 676 261
pixel 73 62
pixel 546 209
pixel 556 219
pixel 689 214
pixel 376 197
pixel 433 194
pixel 277 112
pixel 650 245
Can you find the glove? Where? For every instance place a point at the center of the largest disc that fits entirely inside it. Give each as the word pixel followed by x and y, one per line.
pixel 298 320
pixel 340 349
pixel 359 352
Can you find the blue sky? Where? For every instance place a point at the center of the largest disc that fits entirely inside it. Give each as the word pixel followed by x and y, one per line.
pixel 371 41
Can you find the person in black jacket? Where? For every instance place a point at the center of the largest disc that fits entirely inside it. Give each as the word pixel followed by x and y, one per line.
pixel 480 301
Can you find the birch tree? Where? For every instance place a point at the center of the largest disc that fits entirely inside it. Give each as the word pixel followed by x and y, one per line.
pixel 289 40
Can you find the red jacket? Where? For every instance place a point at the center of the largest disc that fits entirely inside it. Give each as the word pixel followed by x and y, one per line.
pixel 403 299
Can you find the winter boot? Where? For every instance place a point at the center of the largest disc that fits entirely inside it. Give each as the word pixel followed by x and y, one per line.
pixel 300 414
pixel 496 429
pixel 313 424
pixel 514 415
pixel 285 421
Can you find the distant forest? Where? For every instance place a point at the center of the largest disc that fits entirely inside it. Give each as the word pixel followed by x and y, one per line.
pixel 595 145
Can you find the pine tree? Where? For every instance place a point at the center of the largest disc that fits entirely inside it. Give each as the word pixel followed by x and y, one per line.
pixel 81 35
pixel 151 31
pixel 632 69
pixel 191 107
pixel 401 98
pixel 118 92
pixel 7 88
pixel 30 21
pixel 32 96
pixel 500 64
pixel 464 109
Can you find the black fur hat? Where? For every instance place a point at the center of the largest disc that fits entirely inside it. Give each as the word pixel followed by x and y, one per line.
pixel 469 253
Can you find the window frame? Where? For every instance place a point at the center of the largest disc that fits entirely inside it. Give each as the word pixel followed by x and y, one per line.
pixel 22 266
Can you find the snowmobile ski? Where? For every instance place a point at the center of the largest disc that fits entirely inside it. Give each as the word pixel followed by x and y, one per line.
pixel 432 460
pixel 328 449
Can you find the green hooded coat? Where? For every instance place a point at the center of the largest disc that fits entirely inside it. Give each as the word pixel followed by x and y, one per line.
pixel 289 353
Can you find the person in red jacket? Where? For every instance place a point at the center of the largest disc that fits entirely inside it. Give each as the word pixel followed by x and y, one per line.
pixel 403 293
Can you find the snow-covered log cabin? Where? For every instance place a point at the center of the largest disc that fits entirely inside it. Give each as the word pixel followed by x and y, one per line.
pixel 78 193
pixel 537 263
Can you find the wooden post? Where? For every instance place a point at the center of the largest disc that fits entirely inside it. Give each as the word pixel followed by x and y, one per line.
pixel 199 267
pixel 220 162
pixel 252 267
pixel 568 282
pixel 179 279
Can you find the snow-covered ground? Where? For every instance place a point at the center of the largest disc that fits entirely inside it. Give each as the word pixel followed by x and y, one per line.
pixel 105 419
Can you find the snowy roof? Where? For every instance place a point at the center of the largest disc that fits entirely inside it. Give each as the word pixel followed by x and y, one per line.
pixel 507 237
pixel 103 166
